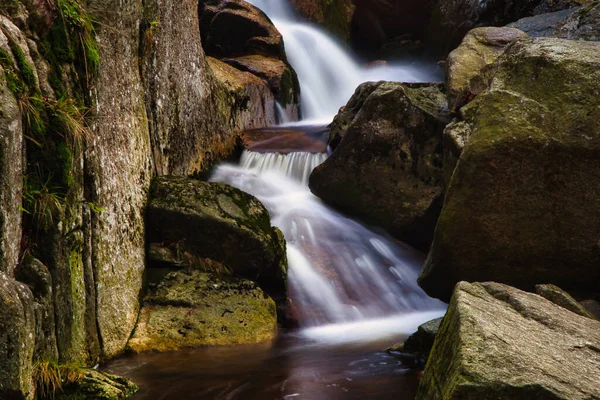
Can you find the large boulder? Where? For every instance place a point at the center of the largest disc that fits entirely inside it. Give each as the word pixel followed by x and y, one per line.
pixel 387 168
pixel 521 205
pixel 497 342
pixel 219 222
pixel 197 309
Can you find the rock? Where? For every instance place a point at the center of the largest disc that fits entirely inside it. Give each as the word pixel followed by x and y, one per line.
pixel 234 28
pixel 280 77
pixel 196 309
pixel 387 168
pixel 543 25
pixel 335 16
pixel 343 119
pixel 414 351
pixel 248 99
pixel 98 385
pixel 17 339
pixel 217 221
pixel 286 140
pixel 520 206
pixel 466 64
pixel 188 129
pixel 497 342
pixel 39 280
pixel 254 45
pixel 584 24
pixel 453 19
pixel 563 299
pixel 11 169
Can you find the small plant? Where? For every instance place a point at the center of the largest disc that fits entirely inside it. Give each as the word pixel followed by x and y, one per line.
pixel 50 377
pixel 42 201
pixel 95 208
pixel 71 117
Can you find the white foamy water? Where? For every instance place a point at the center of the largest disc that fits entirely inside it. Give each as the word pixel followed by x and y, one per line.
pixel 339 271
pixel 328 74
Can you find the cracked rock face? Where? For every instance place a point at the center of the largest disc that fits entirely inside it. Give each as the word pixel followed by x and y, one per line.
pixel 498 342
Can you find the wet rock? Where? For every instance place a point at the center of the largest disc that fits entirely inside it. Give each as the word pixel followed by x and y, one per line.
pixel 520 206
pixel 593 306
pixel 197 308
pixel 466 65
pixel 280 77
pixel 563 299
pixel 240 34
pixel 247 99
pixel 387 168
pixel 17 339
pixel 286 140
pixel 497 342
pixel 414 351
pixel 335 16
pixel 217 221
pixel 233 28
pixel 98 385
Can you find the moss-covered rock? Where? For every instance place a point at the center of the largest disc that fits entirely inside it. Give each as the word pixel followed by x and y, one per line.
pixel 98 385
pixel 521 205
pixel 466 75
pixel 197 308
pixel 497 342
pixel 217 221
pixel 388 168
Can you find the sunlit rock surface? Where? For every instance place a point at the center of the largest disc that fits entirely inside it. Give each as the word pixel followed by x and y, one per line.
pixel 498 342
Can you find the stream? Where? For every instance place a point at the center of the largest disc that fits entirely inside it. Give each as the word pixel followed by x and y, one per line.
pixel 353 290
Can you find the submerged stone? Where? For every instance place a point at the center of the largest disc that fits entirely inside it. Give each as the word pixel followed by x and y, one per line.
pixel 196 308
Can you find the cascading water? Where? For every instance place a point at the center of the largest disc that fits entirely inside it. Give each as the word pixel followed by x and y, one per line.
pixel 342 277
pixel 328 74
pixel 339 271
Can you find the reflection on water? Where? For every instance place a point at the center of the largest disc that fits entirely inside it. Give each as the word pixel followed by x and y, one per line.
pixel 287 369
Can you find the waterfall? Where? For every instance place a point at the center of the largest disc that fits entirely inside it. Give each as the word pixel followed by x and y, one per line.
pixel 328 74
pixel 339 271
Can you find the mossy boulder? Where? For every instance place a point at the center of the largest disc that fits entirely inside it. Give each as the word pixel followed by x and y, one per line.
pixel 388 168
pixel 466 65
pixel 521 207
pixel 220 222
pixel 414 351
pixel 498 342
pixel 98 385
pixel 196 308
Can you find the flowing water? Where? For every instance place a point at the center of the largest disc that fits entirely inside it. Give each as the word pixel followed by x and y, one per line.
pixel 328 74
pixel 353 290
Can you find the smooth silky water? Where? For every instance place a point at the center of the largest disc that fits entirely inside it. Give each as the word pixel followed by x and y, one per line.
pixel 353 290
